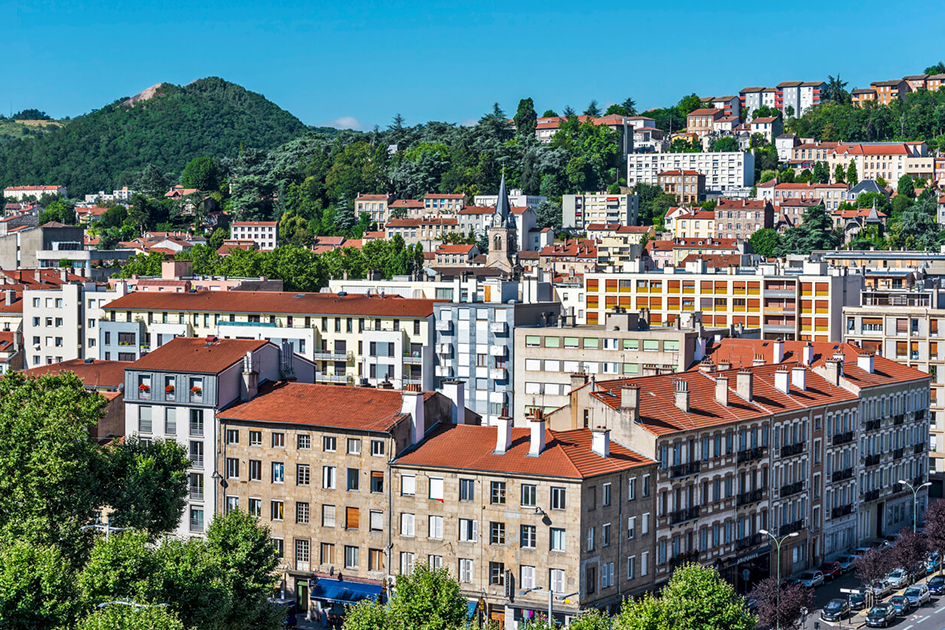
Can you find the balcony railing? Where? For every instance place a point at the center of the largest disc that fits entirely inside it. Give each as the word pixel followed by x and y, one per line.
pixel 842 438
pixel 871 425
pixel 684 470
pixel 196 493
pixel 788 528
pixel 871 460
pixel 792 449
pixel 840 475
pixel 897 488
pixel 196 524
pixel 683 558
pixel 332 356
pixel 751 454
pixel 899 418
pixel 843 510
pixel 791 488
pixel 413 359
pixel 752 496
pixel 872 495
pixel 748 541
pixel 444 326
pixel 681 516
pixel 196 461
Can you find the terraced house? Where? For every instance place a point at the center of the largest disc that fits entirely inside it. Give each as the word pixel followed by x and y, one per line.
pixel 350 337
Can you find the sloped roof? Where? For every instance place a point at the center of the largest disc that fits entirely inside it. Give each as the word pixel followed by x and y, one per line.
pixel 98 373
pixel 196 355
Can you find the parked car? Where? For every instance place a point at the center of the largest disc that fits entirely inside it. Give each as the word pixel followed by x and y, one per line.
pixel 898 578
pixel 937 585
pixel 880 616
pixel 811 579
pixel 901 603
pixel 831 570
pixel 862 551
pixel 835 610
pixel 918 572
pixel 918 595
pixel 934 563
pixel 846 563
pixel 858 600
pixel 881 588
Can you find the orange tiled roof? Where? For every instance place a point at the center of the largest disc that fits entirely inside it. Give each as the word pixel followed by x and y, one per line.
pixel 98 373
pixel 196 355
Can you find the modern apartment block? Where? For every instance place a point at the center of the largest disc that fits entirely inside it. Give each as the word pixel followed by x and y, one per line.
pixel 579 211
pixel 723 170
pixel 806 305
pixel 264 233
pixel 518 513
pixel 350 337
pixel 475 343
pixel 798 95
pixel 177 391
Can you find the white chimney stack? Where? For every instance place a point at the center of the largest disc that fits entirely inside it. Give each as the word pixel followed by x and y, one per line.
pixel 807 354
pixel 503 439
pixel 412 403
pixel 782 381
pixel 682 395
pixel 537 443
pixel 778 348
pixel 864 361
pixel 721 391
pixel 250 378
pixel 456 392
pixel 600 441
pixel 799 378
pixel 744 384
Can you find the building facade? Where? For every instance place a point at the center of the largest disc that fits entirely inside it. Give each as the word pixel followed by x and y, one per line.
pixel 723 170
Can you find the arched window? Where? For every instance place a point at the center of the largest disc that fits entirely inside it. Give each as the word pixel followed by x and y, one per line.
pixel 498 243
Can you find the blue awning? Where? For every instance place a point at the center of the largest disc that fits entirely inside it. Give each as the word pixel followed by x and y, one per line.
pixel 344 592
pixel 471 608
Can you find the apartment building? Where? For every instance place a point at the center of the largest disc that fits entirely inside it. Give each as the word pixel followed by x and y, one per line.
pixel 676 252
pixel 443 204
pixel 799 96
pixel 694 223
pixel 807 154
pixel 740 218
pixel 553 361
pixel 730 105
pixel 22 192
pixel 622 126
pixel 375 206
pixel 886 160
pixel 722 170
pixel 477 220
pixel 861 96
pixel 527 516
pixel 350 337
pixel 888 91
pixel 832 195
pixel 687 186
pixel 517 198
pixel 429 232
pixel 264 233
pixel 579 211
pixel 455 255
pixel 752 98
pixel 177 391
pixel 806 305
pixel 619 248
pixel 702 121
pixel 768 127
pixel 475 342
pixel 569 256
pixel 311 462
pixel 406 209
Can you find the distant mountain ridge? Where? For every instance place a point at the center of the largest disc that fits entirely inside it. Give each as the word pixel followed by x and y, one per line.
pixel 166 125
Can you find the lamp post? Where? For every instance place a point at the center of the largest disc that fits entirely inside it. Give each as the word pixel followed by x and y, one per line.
pixel 551 597
pixel 105 527
pixel 915 502
pixel 777 541
pixel 125 602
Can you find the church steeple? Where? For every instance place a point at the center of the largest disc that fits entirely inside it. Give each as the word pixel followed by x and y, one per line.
pixel 502 233
pixel 503 209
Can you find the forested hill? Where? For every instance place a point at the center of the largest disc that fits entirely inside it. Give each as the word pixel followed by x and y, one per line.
pixel 107 148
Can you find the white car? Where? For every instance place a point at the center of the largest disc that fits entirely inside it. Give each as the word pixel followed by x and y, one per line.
pixel 811 579
pixel 898 578
pixel 846 563
pixel 918 595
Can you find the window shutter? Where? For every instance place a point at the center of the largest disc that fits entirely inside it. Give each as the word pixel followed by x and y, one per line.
pixel 352 518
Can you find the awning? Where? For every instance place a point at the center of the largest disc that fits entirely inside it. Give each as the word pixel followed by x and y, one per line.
pixel 344 592
pixel 472 607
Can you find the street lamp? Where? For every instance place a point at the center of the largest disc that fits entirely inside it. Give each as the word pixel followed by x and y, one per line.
pixel 105 527
pixel 125 602
pixel 777 542
pixel 915 502
pixel 551 597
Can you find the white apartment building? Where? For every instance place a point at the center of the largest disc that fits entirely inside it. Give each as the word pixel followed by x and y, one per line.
pixel 263 233
pixel 722 170
pixel 21 192
pixel 516 199
pixel 579 211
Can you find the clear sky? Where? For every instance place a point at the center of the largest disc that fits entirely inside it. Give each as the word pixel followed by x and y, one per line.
pixel 357 63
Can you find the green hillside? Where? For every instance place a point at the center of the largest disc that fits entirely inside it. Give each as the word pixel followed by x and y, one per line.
pixel 108 147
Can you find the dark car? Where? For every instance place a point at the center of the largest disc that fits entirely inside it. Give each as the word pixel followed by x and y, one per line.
pixel 835 610
pixel 880 616
pixel 901 603
pixel 831 570
pixel 937 585
pixel 858 600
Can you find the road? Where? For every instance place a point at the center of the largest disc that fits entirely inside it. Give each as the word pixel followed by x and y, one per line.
pixel 929 617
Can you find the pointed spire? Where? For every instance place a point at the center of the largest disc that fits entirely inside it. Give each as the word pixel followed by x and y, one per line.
pixel 502 206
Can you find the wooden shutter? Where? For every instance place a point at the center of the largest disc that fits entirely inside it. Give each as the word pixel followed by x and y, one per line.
pixel 352 518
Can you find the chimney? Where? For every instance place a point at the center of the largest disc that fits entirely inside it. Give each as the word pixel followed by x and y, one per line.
pixel 839 355
pixel 250 379
pixel 744 384
pixel 412 403
pixel 782 381
pixel 630 399
pixel 778 351
pixel 63 274
pixel 721 391
pixel 706 366
pixel 537 442
pixel 799 378
pixel 834 370
pixel 807 354
pixel 759 360
pixel 578 379
pixel 9 296
pixel 600 441
pixel 456 392
pixel 682 395
pixel 864 361
pixel 503 439
pixel 724 365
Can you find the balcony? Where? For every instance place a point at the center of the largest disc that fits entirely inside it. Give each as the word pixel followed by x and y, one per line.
pixel 444 326
pixel 840 475
pixel 684 470
pixel 196 461
pixel 444 349
pixel 196 493
pixel 872 495
pixel 871 425
pixel 196 524
pixel 919 448
pixel 498 351
pixel 841 511
pixel 898 453
pixel 684 515
pixel 751 454
pixel 498 374
pixel 789 528
pixel 899 418
pixel 842 438
pixel 331 378
pixel 871 460
pixel 332 356
pixel 792 449
pixel 747 498
pixel 499 328
pixel 413 359
pixel 444 371
pixel 791 489
pixel 413 380
pixel 748 541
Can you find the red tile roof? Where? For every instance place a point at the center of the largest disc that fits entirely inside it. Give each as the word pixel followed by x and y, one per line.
pixel 105 374
pixel 567 454
pixel 741 204
pixel 718 261
pixel 259 223
pixel 196 355
pixel 418 222
pixel 454 249
pixel 765 120
pixel 476 210
pixel 7 341
pixel 709 111
pixel 373 197
pixel 586 248
pixel 407 203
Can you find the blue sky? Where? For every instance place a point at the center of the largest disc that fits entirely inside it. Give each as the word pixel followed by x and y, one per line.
pixel 356 63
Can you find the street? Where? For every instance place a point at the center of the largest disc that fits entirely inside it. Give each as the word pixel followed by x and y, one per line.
pixel 928 617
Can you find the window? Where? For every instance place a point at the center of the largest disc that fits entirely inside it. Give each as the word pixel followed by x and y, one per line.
pixel 632 487
pixel 232 503
pixel 468 530
pixel 377 481
pixel 232 436
pixel 590 538
pixel 467 490
pixel 301 512
pixel 328 515
pixel 607 575
pixel 329 444
pixel 632 527
pixel 644 561
pixel 436 488
pixel 276 510
pixel 328 477
pixel 354 446
pixel 496 533
pixel 408 485
pixel 557 580
pixel 232 468
pixel 352 518
pixel 631 562
pixel 497 492
pixel 302 549
pixel 646 485
pixel 278 440
pixel 590 579
pixel 278 472
pixel 377 448
pixel 527 577
pixel 605 535
pixel 497 573
pixel 303 441
pixel 375 560
pixel 255 507
pixel 170 421
pixel 144 419
pixel 353 479
pixel 303 474
pixel 328 553
pixel 255 438
pixel 376 521
pixel 557 539
pixel 528 536
pixel 255 470
pixel 196 422
pixel 557 498
pixel 605 495
pixel 351 557
pixel 436 527
pixel 465 570
pixel 407 525
pixel 529 495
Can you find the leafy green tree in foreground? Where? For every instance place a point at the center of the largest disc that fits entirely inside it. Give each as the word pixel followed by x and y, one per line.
pixel 765 242
pixel 128 617
pixel 36 587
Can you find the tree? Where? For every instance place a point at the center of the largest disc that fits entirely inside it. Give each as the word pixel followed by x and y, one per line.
pixel 549 113
pixel 725 143
pixel 152 181
pixel 688 104
pixel 839 174
pixel 202 173
pixel 216 238
pixel 37 589
pixel 906 186
pixel 525 117
pixel 426 599
pixel 872 565
pixel 131 617
pixel 593 109
pixel 851 174
pixel 59 211
pixel 911 549
pixel 548 214
pixel 935 526
pixel 835 91
pixel 782 604
pixel 765 242
pixel 114 217
pixel 627 108
pixel 938 68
